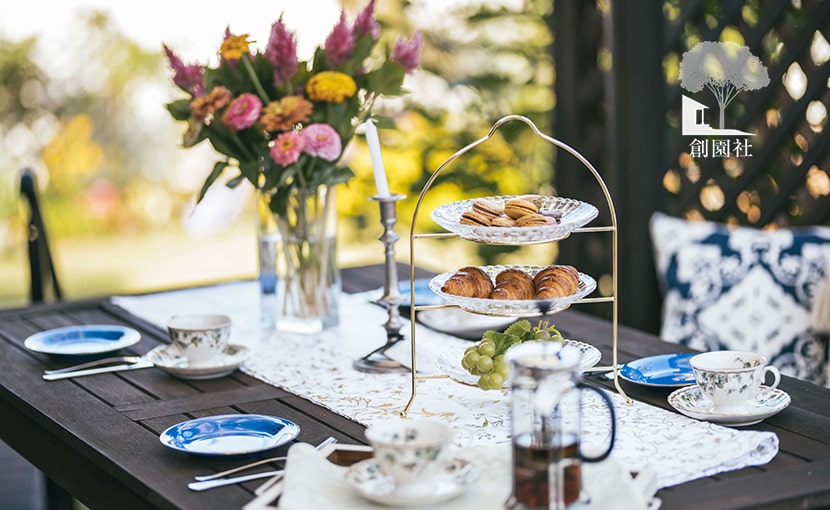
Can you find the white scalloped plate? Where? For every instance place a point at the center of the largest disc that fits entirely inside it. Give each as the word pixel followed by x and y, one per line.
pixel 512 307
pixel 575 214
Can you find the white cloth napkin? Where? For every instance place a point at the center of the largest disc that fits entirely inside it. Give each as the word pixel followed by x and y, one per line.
pixel 313 482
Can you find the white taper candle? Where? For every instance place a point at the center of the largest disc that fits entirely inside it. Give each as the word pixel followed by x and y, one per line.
pixel 377 160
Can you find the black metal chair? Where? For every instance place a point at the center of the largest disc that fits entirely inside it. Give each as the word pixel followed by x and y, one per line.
pixel 41 266
pixel 42 274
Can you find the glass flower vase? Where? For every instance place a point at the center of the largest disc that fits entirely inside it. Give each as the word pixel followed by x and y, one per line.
pixel 298 274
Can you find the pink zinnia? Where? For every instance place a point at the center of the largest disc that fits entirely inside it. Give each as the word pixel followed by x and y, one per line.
pixel 365 24
pixel 322 140
pixel 408 53
pixel 188 77
pixel 287 148
pixel 242 112
pixel 339 43
pixel 282 52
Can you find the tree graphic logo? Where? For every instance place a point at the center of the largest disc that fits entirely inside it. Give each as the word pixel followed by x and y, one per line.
pixel 725 69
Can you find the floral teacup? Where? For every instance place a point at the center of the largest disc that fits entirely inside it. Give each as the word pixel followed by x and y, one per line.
pixel 410 451
pixel 732 379
pixel 200 337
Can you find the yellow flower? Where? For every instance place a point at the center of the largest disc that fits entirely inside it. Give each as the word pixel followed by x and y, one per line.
pixel 331 87
pixel 234 47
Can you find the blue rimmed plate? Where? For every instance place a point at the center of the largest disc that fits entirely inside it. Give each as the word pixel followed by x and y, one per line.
pixel 423 294
pixel 88 340
pixel 662 371
pixel 230 434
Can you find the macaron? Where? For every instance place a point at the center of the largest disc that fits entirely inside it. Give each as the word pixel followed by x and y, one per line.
pixel 517 207
pixel 474 218
pixel 531 220
pixel 488 208
pixel 503 221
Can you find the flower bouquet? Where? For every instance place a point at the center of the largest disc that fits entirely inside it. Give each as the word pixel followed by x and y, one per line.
pixel 282 124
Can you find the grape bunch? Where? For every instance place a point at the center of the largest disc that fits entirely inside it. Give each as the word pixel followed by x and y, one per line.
pixel 486 359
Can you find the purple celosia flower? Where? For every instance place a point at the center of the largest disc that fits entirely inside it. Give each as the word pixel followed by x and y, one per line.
pixel 282 52
pixel 242 112
pixel 287 148
pixel 189 77
pixel 408 53
pixel 339 43
pixel 322 140
pixel 365 24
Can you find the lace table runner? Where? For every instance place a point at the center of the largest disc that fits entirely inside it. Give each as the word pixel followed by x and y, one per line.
pixel 319 368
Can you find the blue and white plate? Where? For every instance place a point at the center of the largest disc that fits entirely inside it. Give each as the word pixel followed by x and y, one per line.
pixel 662 371
pixel 230 434
pixel 86 340
pixel 423 294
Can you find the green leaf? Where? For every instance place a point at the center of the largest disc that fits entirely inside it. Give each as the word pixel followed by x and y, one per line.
pixel 218 168
pixel 387 79
pixel 250 169
pixel 180 110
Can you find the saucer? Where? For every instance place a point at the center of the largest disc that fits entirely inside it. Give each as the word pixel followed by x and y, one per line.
pixel 170 359
pixel 694 404
pixel 453 478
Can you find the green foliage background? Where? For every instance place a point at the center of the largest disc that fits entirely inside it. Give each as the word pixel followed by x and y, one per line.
pixel 113 177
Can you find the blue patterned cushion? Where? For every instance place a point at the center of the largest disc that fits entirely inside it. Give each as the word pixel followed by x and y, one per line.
pixel 744 289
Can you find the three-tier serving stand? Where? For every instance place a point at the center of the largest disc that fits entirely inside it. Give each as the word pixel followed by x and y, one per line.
pixel 612 229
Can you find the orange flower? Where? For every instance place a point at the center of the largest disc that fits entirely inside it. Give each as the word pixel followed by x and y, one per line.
pixel 203 106
pixel 283 114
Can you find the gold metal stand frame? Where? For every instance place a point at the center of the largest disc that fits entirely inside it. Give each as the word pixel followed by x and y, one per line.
pixel 413 236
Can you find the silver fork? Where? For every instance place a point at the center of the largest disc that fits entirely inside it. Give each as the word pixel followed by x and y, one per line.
pixel 231 471
pixel 219 482
pixel 278 476
pixel 95 363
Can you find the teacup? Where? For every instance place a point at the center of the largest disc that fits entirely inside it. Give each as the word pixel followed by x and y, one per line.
pixel 200 337
pixel 732 379
pixel 410 451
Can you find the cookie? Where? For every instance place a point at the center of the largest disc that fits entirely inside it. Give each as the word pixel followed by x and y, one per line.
pixel 516 208
pixel 531 220
pixel 474 218
pixel 503 221
pixel 488 208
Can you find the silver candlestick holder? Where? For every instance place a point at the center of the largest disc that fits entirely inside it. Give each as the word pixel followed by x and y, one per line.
pixel 377 361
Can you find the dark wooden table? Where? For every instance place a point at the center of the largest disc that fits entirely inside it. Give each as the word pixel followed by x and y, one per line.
pixel 97 436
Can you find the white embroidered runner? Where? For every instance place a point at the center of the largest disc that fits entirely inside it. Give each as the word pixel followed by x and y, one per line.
pixel 319 368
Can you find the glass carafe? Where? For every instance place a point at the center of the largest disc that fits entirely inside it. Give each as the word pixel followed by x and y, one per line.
pixel 546 415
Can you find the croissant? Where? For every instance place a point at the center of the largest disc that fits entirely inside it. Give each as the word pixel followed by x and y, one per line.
pixel 513 283
pixel 513 274
pixel 556 281
pixel 569 273
pixel 469 281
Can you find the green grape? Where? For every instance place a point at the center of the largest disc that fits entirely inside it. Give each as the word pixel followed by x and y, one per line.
pixel 470 360
pixel 496 380
pixel 484 364
pixel 487 348
pixel 542 334
pixel 501 368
